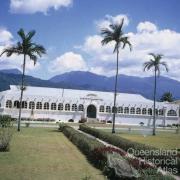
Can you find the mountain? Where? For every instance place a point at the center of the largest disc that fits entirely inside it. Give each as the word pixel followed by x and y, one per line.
pixel 11 71
pixel 7 79
pixel 91 81
pixel 126 84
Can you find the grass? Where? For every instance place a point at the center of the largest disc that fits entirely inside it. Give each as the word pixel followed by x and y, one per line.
pixel 163 140
pixel 44 153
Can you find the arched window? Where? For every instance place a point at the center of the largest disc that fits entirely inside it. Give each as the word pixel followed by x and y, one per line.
pixel 31 105
pixel 149 111
pixel 67 107
pixel 120 109
pixel 16 104
pixel 46 105
pixel 60 107
pixel 114 109
pixel 74 107
pixel 108 109
pixel 101 108
pixel 144 111
pixel 24 104
pixel 38 105
pixel 156 110
pixel 81 107
pixel 126 110
pixel 9 104
pixel 0 104
pixel 138 110
pixel 132 110
pixel 53 106
pixel 161 112
pixel 172 113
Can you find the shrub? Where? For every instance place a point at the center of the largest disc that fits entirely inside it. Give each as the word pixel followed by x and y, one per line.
pixel 84 143
pixel 109 122
pixel 5 121
pixel 27 124
pixel 6 132
pixel 71 120
pixel 83 120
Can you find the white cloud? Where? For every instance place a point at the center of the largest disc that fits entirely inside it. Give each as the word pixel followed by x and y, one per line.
pixel 146 27
pixel 34 6
pixel 5 36
pixel 104 23
pixel 147 39
pixel 69 61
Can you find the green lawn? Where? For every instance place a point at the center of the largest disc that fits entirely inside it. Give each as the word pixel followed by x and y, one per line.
pixel 165 140
pixel 44 153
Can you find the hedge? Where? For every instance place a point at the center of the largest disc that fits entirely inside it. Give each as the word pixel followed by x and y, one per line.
pixel 126 144
pixel 86 144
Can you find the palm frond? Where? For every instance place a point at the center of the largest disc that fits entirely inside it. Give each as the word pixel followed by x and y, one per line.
pixel 30 35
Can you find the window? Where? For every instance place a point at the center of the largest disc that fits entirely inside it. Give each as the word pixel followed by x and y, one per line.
pixel 67 107
pixel 101 108
pixel 108 109
pixel 161 112
pixel 46 105
pixel 81 107
pixel 172 113
pixel 132 110
pixel 74 107
pixel 138 110
pixel 9 104
pixel 16 104
pixel 24 104
pixel 38 105
pixel 31 105
pixel 114 109
pixel 144 111
pixel 53 106
pixel 126 110
pixel 149 111
pixel 120 109
pixel 60 107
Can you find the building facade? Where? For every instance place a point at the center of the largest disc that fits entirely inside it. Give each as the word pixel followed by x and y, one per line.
pixel 65 105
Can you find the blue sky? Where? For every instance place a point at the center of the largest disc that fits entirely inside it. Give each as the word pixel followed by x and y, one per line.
pixel 70 31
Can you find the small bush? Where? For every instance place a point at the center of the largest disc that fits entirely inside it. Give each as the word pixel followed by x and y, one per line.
pixel 27 124
pixel 5 121
pixel 109 122
pixel 83 120
pixel 6 132
pixel 71 120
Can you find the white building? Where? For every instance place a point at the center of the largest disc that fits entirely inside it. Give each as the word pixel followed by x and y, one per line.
pixel 68 104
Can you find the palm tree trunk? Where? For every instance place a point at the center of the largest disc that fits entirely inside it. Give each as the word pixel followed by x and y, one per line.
pixel 115 92
pixel 22 89
pixel 154 112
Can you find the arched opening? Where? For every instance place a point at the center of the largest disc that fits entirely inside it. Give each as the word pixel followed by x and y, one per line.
pixel 91 111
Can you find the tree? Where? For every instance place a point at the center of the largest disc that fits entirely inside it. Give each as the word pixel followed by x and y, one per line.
pixel 27 48
pixel 155 63
pixel 115 34
pixel 167 96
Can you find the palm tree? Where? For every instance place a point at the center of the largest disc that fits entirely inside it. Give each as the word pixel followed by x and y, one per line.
pixel 27 48
pixel 115 34
pixel 155 63
pixel 167 96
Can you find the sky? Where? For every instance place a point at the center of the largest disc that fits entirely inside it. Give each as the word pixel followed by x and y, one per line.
pixel 70 30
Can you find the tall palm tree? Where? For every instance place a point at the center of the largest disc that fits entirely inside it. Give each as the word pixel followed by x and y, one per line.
pixel 115 34
pixel 155 64
pixel 27 48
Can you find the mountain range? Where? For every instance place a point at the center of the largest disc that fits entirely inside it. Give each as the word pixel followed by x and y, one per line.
pixel 90 81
